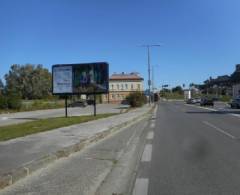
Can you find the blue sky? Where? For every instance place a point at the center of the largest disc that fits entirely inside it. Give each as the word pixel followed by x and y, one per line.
pixel 200 38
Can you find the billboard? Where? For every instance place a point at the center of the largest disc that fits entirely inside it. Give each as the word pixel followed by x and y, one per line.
pixel 90 78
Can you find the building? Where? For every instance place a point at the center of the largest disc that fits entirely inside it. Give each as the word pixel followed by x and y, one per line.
pixel 235 77
pixel 121 85
pixel 222 85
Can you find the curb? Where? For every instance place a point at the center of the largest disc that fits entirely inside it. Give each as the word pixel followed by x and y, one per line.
pixel 15 175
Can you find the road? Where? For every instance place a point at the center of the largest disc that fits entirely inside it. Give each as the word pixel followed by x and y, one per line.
pixel 190 150
pixel 19 117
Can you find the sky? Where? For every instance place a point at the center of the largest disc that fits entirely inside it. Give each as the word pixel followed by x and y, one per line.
pixel 198 39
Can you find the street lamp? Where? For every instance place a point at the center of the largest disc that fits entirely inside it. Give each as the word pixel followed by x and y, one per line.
pixel 149 70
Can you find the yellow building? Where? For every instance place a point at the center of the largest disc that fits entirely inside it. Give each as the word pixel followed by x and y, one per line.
pixel 120 85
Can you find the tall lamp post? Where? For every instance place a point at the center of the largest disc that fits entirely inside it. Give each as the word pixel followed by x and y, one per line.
pixel 149 69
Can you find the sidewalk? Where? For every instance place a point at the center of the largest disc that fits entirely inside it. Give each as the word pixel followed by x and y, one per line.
pixel 21 156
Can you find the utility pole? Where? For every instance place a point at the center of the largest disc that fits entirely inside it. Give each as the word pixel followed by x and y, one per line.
pixel 149 69
pixel 153 79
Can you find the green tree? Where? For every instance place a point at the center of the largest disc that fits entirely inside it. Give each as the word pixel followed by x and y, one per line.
pixel 136 99
pixel 1 87
pixel 177 89
pixel 28 81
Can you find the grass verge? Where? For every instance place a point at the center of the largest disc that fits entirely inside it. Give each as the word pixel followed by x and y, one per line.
pixel 19 130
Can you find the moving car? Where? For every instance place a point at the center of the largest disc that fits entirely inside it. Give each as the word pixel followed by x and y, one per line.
pixel 235 103
pixel 206 102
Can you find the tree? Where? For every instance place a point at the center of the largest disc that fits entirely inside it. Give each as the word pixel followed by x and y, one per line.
pixel 28 81
pixel 1 87
pixel 136 99
pixel 177 89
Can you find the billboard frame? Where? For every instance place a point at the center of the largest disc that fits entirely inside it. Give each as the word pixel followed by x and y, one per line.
pixel 65 95
pixel 77 64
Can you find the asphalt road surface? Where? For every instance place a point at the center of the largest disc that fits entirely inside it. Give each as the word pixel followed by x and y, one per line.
pixel 190 150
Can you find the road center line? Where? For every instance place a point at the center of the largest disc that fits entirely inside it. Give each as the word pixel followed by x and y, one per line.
pixel 219 129
pixel 147 153
pixel 150 135
pixel 141 186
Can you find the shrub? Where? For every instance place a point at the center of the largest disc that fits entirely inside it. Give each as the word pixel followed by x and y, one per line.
pixel 14 102
pixel 136 99
pixel 3 102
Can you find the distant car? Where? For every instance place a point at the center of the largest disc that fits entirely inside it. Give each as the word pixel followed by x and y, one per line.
pixel 215 99
pixel 191 101
pixel 79 103
pixel 235 103
pixel 206 102
pixel 197 100
pixel 90 102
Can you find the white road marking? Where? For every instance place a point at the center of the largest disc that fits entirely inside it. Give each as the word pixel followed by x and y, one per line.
pixel 141 186
pixel 155 110
pixel 219 129
pixel 150 135
pixel 201 107
pixel 147 153
pixel 236 115
pixel 152 124
pixel 4 118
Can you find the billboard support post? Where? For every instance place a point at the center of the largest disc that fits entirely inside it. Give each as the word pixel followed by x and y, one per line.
pixel 76 79
pixel 94 104
pixel 66 111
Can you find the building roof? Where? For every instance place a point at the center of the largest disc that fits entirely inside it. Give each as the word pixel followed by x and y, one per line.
pixel 126 76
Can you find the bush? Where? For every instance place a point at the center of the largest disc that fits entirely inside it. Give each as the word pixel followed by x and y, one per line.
pixel 3 102
pixel 14 102
pixel 136 99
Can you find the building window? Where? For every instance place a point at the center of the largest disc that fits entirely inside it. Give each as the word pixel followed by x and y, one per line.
pixel 112 87
pixel 122 86
pixel 126 86
pixel 138 86
pixel 132 86
pixel 113 96
pixel 118 86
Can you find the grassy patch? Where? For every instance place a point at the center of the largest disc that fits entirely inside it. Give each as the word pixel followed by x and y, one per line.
pixel 27 128
pixel 173 96
pixel 31 105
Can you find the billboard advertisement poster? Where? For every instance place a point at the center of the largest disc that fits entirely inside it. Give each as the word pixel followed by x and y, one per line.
pixel 62 82
pixel 90 78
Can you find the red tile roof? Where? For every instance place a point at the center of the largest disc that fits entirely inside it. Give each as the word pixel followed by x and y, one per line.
pixel 124 76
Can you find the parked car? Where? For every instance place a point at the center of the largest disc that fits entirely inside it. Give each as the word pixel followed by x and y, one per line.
pixel 206 102
pixel 235 103
pixel 80 103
